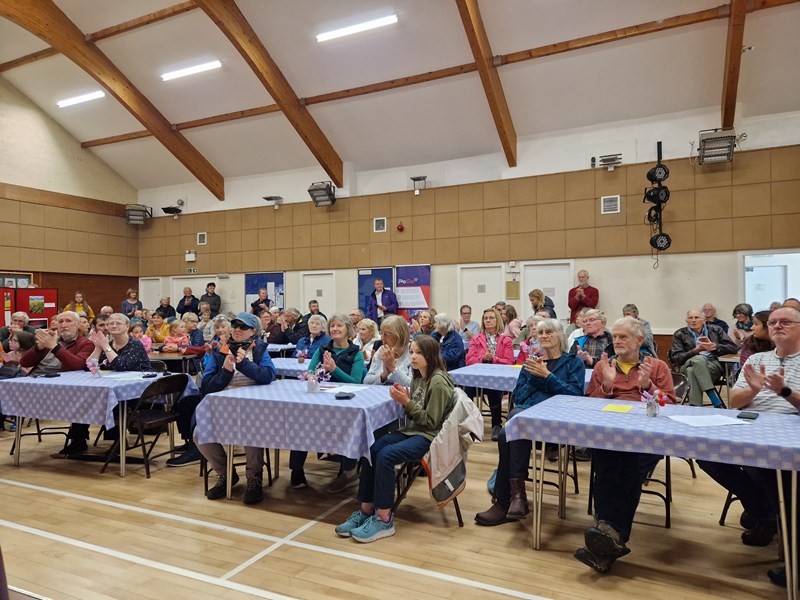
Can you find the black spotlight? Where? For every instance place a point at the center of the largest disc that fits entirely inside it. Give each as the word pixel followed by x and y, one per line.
pixel 658 173
pixel 661 241
pixel 657 195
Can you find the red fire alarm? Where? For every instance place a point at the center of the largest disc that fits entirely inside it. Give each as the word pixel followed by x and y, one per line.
pixel 400 227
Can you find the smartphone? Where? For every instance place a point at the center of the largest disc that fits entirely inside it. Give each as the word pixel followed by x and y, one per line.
pixel 149 375
pixel 52 375
pixel 749 415
pixel 344 395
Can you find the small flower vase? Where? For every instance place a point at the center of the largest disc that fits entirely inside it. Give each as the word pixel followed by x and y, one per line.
pixel 312 386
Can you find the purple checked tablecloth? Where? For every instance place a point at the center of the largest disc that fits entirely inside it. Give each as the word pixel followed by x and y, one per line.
pixel 73 397
pixel 284 415
pixel 772 441
pixel 493 377
pixel 289 367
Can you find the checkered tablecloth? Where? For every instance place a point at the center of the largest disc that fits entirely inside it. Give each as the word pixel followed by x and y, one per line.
pixel 289 367
pixel 73 397
pixel 772 441
pixel 280 347
pixel 284 415
pixel 493 377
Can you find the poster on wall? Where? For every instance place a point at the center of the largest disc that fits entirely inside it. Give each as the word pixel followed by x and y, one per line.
pixel 41 304
pixel 366 283
pixel 413 288
pixel 15 280
pixel 272 281
pixel 9 305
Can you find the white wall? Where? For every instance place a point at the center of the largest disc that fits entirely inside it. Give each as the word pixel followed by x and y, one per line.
pixel 46 156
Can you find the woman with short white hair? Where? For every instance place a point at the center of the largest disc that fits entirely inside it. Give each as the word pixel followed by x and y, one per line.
pixel 308 345
pixel 367 337
pixel 451 344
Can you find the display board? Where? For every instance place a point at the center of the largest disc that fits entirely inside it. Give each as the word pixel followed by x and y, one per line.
pixel 366 283
pixel 9 305
pixel 413 288
pixel 274 282
pixel 40 304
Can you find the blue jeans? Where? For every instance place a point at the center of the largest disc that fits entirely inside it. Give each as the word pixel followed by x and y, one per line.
pixel 378 479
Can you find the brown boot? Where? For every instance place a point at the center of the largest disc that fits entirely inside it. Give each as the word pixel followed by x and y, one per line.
pixel 519 500
pixel 496 515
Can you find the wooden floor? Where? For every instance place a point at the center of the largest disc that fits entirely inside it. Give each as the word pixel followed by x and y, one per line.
pixel 68 532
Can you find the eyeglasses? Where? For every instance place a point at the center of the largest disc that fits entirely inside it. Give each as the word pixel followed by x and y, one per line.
pixel 239 325
pixel 590 320
pixel 782 323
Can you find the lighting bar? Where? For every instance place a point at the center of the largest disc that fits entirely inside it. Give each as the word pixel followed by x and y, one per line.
pixel 209 66
pixel 80 99
pixel 358 28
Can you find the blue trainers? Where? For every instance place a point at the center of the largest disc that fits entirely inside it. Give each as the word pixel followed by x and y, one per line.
pixel 373 529
pixel 354 521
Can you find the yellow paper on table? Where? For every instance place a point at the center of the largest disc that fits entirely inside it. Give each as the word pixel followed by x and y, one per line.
pixel 516 366
pixel 619 408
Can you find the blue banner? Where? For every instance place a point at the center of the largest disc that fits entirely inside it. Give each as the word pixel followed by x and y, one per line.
pixel 366 283
pixel 272 281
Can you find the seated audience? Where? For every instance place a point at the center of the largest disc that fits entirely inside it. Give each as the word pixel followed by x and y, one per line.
pixel 18 344
pixel 19 322
pixel 493 347
pixel 313 309
pixel 630 310
pixel 512 324
pixel 743 313
pixel 452 346
pixel 466 326
pixel 367 338
pixel 159 330
pixel 426 406
pixel 178 337
pixel 760 340
pixel 204 319
pixel 541 302
pixel 791 303
pixel 356 316
pixel 243 360
pixel 595 339
pixel 195 335
pixel 422 324
pixel 165 308
pixel 271 325
pixel 554 372
pixel 619 475
pixel 79 305
pixel 575 330
pixel 390 363
pixel 129 305
pixel 343 361
pixel 770 382
pixel 84 325
pixel 293 327
pixel 100 323
pixel 212 299
pixel 136 331
pixel 696 350
pixel 261 303
pixel 710 315
pixel 188 303
pixel 316 337
pixel 528 340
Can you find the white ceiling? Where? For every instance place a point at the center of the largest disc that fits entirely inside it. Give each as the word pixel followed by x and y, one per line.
pixel 666 72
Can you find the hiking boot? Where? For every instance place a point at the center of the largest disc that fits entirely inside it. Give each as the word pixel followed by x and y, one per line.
pixel 373 529
pixel 760 535
pixel 191 456
pixel 298 479
pixel 345 479
pixel 604 544
pixel 220 489
pixel 519 500
pixel 354 521
pixel 747 521
pixel 587 558
pixel 255 490
pixel 496 515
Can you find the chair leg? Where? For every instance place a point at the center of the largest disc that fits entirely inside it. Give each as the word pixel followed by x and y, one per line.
pixel 99 433
pixel 591 490
pixel 691 467
pixel 728 501
pixel 38 431
pixel 458 512
pixel 574 469
pixel 268 464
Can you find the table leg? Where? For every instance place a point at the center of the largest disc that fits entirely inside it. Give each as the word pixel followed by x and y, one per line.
pixel 123 436
pixel 277 462
pixel 563 468
pixel 229 472
pixel 17 440
pixel 789 539
pixel 538 494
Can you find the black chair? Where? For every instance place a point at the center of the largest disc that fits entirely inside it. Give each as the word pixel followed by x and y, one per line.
pixel 146 415
pixel 728 501
pixel 159 366
pixel 405 477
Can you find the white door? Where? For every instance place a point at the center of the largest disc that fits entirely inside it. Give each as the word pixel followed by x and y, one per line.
pixel 480 286
pixel 150 291
pixel 764 284
pixel 320 287
pixel 554 279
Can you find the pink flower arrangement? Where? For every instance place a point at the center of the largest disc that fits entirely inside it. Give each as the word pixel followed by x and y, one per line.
pixel 320 375
pixel 93 366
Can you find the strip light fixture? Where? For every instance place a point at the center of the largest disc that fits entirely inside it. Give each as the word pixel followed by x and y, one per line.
pixel 209 66
pixel 80 99
pixel 358 28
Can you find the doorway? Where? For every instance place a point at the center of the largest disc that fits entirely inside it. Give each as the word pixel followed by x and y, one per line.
pixel 319 286
pixel 554 279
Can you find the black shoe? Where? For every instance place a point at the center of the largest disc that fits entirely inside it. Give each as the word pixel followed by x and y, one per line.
pixel 496 432
pixel 183 447
pixel 255 490
pixel 747 521
pixel 220 489
pixel 298 479
pixel 604 543
pixel 587 558
pixel 74 447
pixel 192 456
pixel 583 454
pixel 777 575
pixel 760 535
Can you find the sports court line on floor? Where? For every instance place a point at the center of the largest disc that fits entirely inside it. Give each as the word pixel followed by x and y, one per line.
pixel 371 560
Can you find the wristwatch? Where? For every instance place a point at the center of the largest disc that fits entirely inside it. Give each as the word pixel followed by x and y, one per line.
pixel 785 392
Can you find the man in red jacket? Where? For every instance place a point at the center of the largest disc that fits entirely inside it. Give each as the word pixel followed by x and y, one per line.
pixel 582 296
pixel 64 350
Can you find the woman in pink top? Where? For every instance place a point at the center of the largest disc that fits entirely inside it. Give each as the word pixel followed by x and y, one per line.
pixel 491 346
pixel 512 324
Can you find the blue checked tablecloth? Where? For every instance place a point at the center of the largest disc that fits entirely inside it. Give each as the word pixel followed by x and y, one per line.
pixel 289 367
pixel 280 347
pixel 284 415
pixel 73 397
pixel 493 377
pixel 772 441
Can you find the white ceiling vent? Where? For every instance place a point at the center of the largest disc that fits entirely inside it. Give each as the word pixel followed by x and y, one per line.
pixel 609 205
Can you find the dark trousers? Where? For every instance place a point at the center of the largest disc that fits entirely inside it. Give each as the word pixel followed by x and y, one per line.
pixel 513 463
pixel 495 398
pixel 756 488
pixel 377 481
pixel 297 460
pixel 185 408
pixel 618 479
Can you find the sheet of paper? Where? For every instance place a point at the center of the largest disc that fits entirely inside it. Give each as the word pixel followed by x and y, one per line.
pixel 707 420
pixel 618 408
pixel 343 388
pixel 123 375
pixel 516 366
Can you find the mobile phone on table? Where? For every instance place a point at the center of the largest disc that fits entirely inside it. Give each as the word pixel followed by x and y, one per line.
pixel 747 415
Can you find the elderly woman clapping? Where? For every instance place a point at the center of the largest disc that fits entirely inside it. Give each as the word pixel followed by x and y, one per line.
pixel 367 338
pixel 308 345
pixel 451 343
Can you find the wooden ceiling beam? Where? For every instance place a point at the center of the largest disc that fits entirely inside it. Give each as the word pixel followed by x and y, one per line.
pixel 230 20
pixel 44 19
pixel 148 19
pixel 492 86
pixel 733 60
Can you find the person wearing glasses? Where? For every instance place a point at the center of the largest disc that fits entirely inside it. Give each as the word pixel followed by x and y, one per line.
pixel 595 339
pixel 390 363
pixel 356 316
pixel 770 382
pixel 466 326
pixel 243 360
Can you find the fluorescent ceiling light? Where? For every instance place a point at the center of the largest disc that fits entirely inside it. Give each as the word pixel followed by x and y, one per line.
pixel 214 64
pixel 375 23
pixel 78 99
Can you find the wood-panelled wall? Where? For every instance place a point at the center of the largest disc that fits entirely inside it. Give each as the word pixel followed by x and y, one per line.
pixel 98 290
pixel 751 203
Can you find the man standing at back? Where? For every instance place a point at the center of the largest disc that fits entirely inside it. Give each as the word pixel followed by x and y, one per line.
pixel 582 296
pixel 212 298
pixel 382 302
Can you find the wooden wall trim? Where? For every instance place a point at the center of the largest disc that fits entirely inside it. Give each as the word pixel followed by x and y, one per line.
pixel 57 199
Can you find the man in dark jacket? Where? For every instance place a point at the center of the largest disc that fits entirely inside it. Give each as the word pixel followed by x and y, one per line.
pixel 189 303
pixel 382 302
pixel 244 360
pixel 696 349
pixel 212 298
